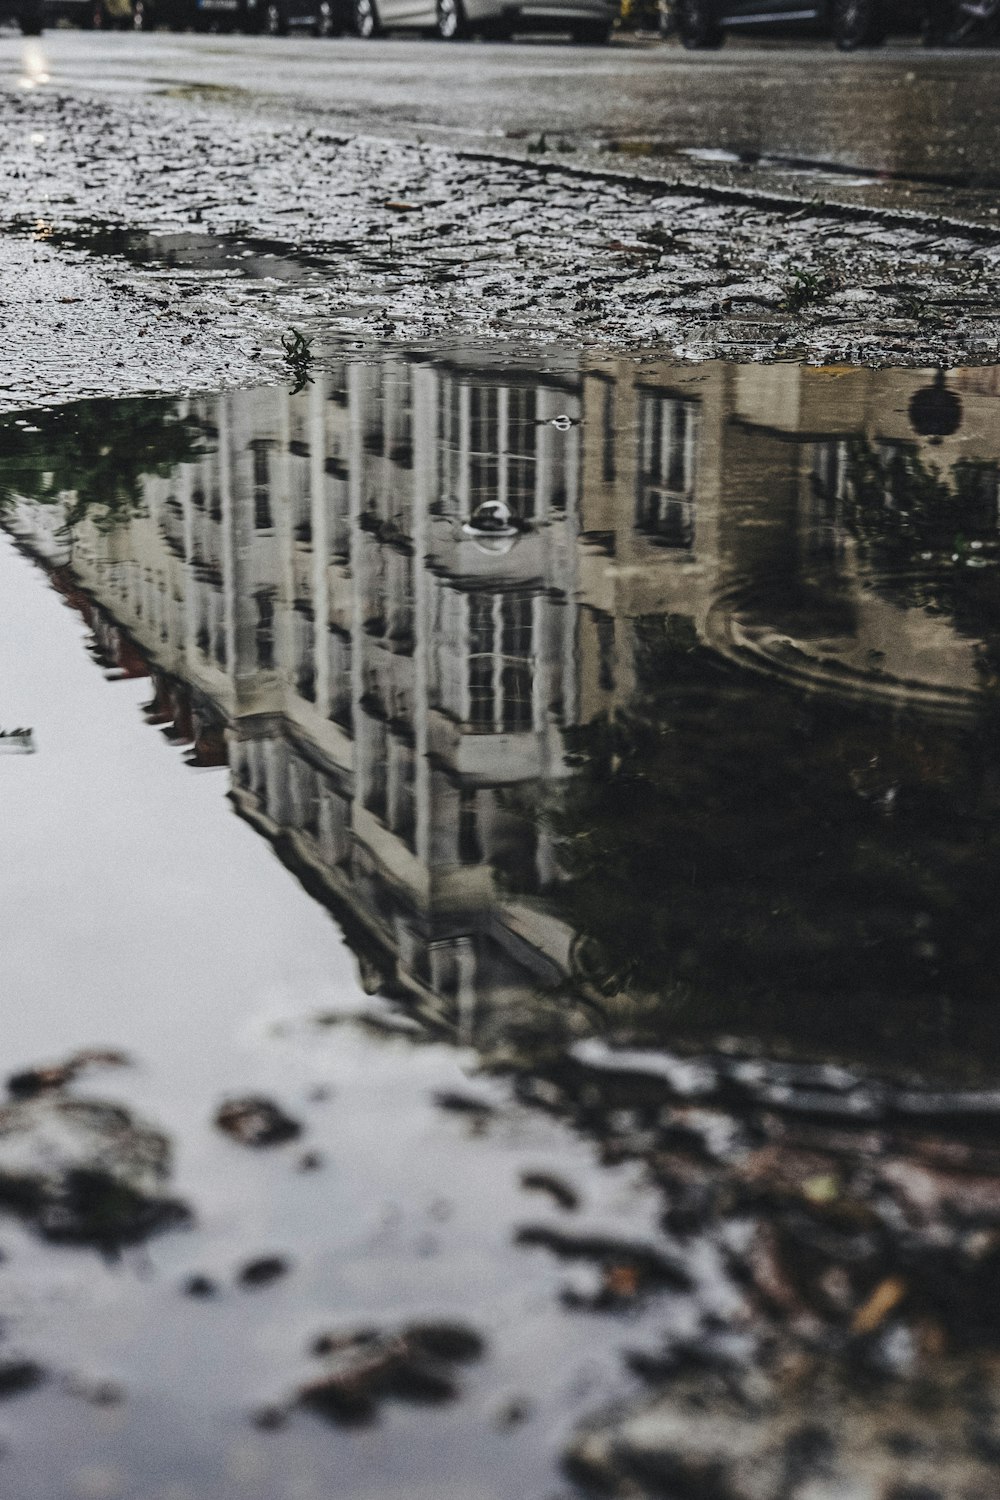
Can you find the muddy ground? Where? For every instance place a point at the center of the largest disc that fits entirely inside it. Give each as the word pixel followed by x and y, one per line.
pixel 161 244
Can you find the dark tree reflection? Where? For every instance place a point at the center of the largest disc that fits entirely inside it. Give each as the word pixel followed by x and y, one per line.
pixel 99 450
pixel 813 871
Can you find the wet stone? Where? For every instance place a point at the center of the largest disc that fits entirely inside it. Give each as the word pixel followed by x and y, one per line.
pixel 263 1271
pixel 18 1376
pixel 367 1367
pixel 255 1121
pixel 200 1286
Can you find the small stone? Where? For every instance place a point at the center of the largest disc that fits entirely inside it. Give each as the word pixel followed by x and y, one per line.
pixel 18 1376
pixel 262 1272
pixel 255 1121
pixel 200 1286
pixel 513 1412
pixel 446 1341
pixel 269 1418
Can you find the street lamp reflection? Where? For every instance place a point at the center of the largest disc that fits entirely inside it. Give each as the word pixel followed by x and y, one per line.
pixel 492 527
pixel 34 68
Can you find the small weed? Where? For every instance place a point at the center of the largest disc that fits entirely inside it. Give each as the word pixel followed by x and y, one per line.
pixel 538 146
pixel 298 358
pixel 806 288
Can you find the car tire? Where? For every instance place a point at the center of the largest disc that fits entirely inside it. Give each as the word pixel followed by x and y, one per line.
pixel 857 23
pixel 366 19
pixel 275 20
pixel 452 24
pixel 591 33
pixel 698 24
pixel 142 19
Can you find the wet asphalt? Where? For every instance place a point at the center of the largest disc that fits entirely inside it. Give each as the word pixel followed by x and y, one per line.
pixel 902 126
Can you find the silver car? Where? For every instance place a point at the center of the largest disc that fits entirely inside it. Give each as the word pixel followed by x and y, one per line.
pixel 588 21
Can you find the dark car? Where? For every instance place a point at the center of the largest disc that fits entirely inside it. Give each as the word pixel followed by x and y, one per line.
pixel 28 14
pixel 319 17
pixel 90 14
pixel 275 17
pixel 851 23
pixel 176 15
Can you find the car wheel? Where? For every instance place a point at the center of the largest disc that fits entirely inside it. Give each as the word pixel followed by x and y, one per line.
pixel 142 20
pixel 275 20
pixel 366 20
pixel 698 24
pixel 591 33
pixel 452 25
pixel 857 23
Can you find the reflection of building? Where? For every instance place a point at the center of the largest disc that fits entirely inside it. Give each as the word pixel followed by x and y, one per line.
pixel 390 680
pixel 729 507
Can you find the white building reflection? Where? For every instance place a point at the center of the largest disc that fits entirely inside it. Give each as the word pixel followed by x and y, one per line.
pixel 382 682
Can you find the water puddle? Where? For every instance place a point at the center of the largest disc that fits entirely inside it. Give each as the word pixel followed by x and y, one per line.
pixel 635 724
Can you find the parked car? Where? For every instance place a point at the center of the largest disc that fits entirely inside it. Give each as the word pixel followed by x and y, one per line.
pixel 586 20
pixel 320 17
pixel 28 14
pixel 275 17
pixel 90 14
pixel 176 15
pixel 851 23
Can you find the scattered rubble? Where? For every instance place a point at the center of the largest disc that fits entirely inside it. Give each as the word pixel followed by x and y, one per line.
pixel 263 1271
pixel 830 1327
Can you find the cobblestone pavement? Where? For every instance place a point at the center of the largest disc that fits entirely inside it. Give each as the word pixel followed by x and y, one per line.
pixel 197 232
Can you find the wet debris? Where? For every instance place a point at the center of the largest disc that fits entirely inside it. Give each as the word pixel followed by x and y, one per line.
pixel 800 1438
pixel 555 1187
pixel 84 1171
pixel 368 1366
pixel 262 1272
pixel 255 1121
pixel 19 1376
pixel 472 1105
pixel 833 1234
pixel 52 1076
pixel 622 1269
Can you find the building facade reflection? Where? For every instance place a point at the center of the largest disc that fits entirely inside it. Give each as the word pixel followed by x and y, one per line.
pixel 385 683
